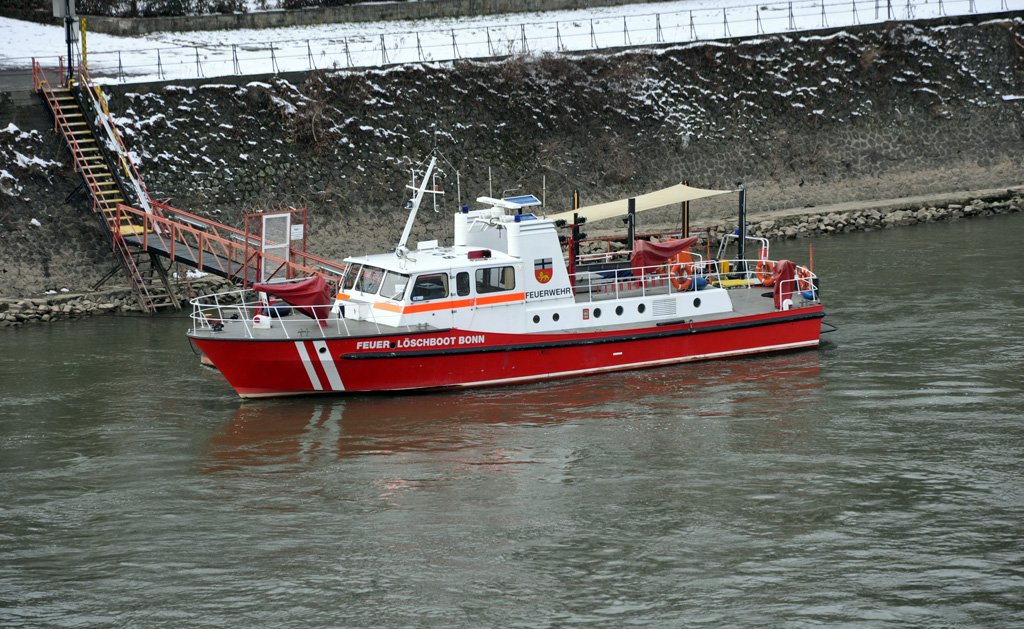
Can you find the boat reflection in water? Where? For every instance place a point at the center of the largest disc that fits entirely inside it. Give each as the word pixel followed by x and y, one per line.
pixel 479 422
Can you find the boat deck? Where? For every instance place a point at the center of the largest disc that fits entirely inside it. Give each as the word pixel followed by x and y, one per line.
pixel 236 321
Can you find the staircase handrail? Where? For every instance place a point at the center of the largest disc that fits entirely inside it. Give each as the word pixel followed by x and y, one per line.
pixel 99 104
pixel 43 86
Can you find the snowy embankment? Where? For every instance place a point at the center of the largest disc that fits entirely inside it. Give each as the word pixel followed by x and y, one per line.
pixel 207 54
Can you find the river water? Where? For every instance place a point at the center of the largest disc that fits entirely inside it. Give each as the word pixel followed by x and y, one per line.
pixel 875 481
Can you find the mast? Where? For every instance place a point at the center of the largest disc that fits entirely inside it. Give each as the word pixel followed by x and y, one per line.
pixel 413 204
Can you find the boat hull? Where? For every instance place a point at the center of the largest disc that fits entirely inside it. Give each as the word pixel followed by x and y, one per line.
pixel 444 359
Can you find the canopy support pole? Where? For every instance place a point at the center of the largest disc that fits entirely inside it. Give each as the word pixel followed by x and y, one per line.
pixel 743 227
pixel 684 231
pixel 574 238
pixel 631 223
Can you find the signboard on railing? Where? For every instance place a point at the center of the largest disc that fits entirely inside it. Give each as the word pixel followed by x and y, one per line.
pixel 276 229
pixel 64 8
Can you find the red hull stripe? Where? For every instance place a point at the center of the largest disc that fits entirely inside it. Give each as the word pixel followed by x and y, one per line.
pixel 637 365
pixel 314 380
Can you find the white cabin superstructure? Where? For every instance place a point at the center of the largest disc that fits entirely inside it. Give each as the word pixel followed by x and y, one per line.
pixel 506 272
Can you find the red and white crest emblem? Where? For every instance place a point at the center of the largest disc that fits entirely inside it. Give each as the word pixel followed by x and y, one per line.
pixel 542 270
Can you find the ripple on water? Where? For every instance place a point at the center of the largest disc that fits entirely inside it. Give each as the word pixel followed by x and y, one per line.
pixel 874 482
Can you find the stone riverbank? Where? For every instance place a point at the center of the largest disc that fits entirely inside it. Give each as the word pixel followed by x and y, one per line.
pixel 781 225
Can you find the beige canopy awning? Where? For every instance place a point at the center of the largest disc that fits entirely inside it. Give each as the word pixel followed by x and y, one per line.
pixel 650 201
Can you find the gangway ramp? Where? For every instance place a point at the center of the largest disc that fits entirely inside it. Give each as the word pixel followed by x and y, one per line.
pixel 215 248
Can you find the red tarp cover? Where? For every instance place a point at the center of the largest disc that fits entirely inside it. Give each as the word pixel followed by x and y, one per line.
pixel 646 253
pixel 785 271
pixel 313 291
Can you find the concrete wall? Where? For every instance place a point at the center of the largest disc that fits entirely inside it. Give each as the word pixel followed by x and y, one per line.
pixel 367 12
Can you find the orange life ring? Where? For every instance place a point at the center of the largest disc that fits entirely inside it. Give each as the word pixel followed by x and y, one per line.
pixel 803 278
pixel 765 271
pixel 681 275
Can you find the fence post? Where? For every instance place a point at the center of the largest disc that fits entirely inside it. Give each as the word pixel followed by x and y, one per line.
pixel 199 68
pixel 974 9
pixel 855 20
pixel 725 24
pixel 348 54
pixel 234 59
pixel 490 49
pixel 558 39
pixel 526 46
pixel 455 46
pixel 159 65
pixel 824 20
pixel 693 28
pixel 419 47
pixel 658 35
pixel 625 33
pixel 593 38
pixel 792 23
pixel 273 58
pixel 760 27
pixel 910 10
pixel 120 68
pixel 383 51
pixel 309 52
pixel 888 8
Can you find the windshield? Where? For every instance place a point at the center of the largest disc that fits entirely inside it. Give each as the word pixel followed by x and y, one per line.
pixel 351 273
pixel 393 286
pixel 369 280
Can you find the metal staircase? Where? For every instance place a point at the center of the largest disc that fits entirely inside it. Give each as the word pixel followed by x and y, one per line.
pixel 80 116
pixel 146 234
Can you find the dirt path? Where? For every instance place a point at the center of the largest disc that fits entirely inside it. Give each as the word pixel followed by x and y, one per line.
pixel 884 206
pixel 890 205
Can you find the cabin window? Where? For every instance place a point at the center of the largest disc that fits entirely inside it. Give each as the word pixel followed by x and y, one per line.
pixel 462 284
pixel 430 287
pixel 394 285
pixel 370 279
pixel 351 273
pixel 495 279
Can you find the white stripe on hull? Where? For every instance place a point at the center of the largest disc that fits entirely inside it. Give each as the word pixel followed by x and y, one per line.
pixel 329 367
pixel 308 364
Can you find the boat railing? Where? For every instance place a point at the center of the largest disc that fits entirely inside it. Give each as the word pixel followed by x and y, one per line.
pixel 603 258
pixel 674 276
pixel 804 285
pixel 245 312
pixel 681 276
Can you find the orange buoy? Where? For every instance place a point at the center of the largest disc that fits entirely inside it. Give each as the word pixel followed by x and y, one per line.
pixel 765 272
